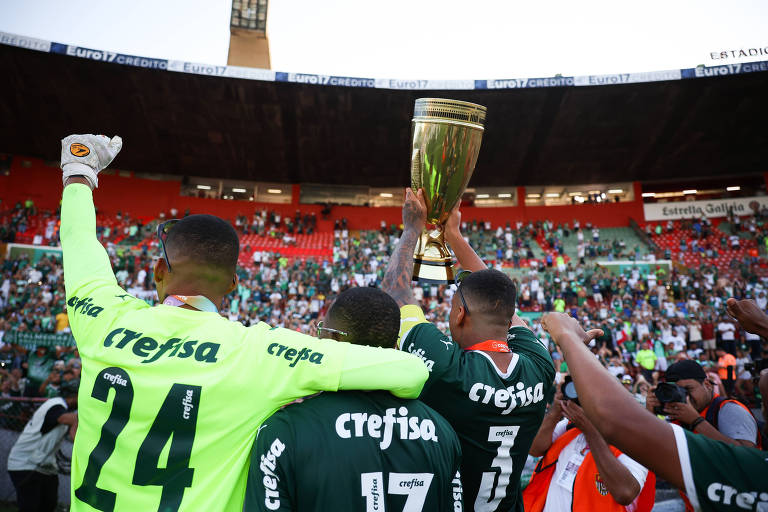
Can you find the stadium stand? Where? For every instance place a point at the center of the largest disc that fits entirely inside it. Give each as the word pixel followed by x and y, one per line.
pixel 291 133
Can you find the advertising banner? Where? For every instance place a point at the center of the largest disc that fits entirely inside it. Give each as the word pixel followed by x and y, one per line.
pixel 268 75
pixel 713 208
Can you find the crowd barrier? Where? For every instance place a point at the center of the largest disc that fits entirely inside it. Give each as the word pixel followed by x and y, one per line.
pixel 702 71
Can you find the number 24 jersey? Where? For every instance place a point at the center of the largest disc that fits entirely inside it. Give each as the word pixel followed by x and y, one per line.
pixel 170 399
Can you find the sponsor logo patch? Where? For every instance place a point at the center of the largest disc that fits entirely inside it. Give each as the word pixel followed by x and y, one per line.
pixel 600 485
pixel 78 149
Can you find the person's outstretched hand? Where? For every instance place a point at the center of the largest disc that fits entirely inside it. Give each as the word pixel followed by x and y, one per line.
pixel 86 155
pixel 414 210
pixel 749 315
pixel 559 325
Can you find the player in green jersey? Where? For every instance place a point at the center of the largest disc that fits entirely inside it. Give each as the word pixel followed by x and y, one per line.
pixel 491 380
pixel 171 396
pixel 716 476
pixel 353 450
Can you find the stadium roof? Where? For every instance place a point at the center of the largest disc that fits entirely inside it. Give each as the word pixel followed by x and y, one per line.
pixel 186 124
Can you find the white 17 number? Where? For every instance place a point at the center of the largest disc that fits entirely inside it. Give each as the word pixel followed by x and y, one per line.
pixel 413 485
pixel 506 436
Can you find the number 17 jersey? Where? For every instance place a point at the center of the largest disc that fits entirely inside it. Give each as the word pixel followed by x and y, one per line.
pixel 495 414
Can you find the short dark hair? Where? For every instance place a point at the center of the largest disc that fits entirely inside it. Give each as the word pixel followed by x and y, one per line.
pixel 207 240
pixel 368 316
pixel 490 292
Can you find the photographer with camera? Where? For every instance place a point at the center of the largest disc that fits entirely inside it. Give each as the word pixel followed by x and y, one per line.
pixel 688 398
pixel 579 469
pixel 716 476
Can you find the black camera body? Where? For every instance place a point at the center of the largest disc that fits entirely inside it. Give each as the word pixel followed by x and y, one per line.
pixel 666 393
pixel 569 390
pixel 755 367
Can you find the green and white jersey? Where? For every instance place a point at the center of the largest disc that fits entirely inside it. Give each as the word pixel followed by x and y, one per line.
pixel 495 414
pixel 722 477
pixel 170 398
pixel 355 451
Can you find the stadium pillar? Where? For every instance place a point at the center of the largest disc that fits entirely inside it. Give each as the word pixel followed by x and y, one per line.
pixel 248 48
pixel 521 197
pixel 765 177
pixel 295 194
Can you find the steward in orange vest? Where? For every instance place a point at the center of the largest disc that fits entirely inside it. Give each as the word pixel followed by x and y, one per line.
pixel 589 491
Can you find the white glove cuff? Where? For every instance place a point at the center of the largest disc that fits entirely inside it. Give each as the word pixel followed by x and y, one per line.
pixel 80 169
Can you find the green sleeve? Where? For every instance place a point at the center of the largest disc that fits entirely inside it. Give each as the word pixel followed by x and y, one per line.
pixel 88 277
pixel 326 365
pixel 521 340
pixel 367 368
pixel 271 472
pixel 427 342
pixel 438 352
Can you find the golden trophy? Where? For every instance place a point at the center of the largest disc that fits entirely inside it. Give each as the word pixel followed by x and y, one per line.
pixel 446 142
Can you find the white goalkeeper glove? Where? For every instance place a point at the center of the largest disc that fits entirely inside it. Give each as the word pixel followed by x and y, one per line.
pixel 87 155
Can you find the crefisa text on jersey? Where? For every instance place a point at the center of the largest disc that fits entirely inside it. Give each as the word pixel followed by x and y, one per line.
pixel 149 348
pixel 268 466
pixel 84 306
pixel 727 495
pixel 363 424
pixel 507 398
pixel 420 353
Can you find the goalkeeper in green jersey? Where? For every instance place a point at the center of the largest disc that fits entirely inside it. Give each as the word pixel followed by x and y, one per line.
pixel 354 450
pixel 716 476
pixel 491 380
pixel 171 396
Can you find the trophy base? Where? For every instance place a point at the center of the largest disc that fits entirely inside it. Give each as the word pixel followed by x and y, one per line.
pixel 433 272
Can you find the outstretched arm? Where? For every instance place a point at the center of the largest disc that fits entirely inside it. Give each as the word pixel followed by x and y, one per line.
pixel 85 260
pixel 89 281
pixel 615 413
pixel 371 368
pixel 751 318
pixel 397 279
pixel 468 258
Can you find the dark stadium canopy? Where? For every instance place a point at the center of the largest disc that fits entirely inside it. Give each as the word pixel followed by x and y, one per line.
pixel 186 124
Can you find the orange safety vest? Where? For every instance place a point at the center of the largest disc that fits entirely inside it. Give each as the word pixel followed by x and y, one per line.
pixel 712 418
pixel 589 491
pixel 703 414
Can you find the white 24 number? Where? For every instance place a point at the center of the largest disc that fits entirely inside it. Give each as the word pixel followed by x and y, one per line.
pixel 506 436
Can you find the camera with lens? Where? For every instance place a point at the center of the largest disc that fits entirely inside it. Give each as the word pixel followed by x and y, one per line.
pixel 666 393
pixel 755 367
pixel 568 390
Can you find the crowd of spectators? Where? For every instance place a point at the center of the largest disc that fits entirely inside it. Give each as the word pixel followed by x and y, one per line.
pixel 652 314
